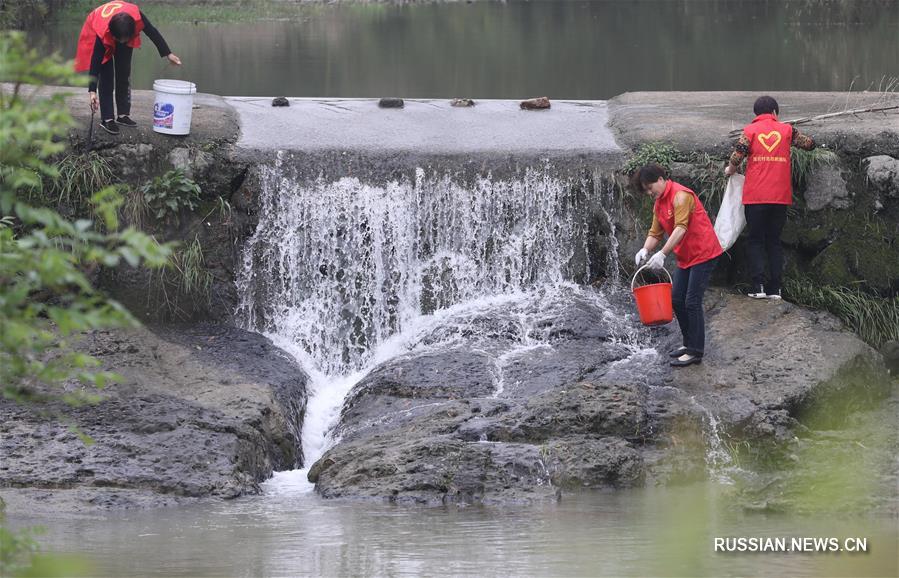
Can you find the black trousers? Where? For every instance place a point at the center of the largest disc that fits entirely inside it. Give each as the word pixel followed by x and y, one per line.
pixel 765 223
pixel 115 75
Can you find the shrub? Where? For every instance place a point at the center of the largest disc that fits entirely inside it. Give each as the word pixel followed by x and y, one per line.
pixel 46 298
pixel 169 194
pixel 663 154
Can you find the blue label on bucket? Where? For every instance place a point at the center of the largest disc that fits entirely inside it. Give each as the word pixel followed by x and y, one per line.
pixel 163 115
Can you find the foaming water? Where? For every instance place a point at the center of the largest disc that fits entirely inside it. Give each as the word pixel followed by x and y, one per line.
pixel 345 275
pixel 339 266
pixel 464 323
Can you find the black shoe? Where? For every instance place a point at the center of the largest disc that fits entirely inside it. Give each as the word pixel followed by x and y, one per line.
pixel 685 360
pixel 110 126
pixel 125 120
pixel 678 352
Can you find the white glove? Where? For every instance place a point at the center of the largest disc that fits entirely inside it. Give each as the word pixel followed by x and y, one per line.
pixel 641 256
pixel 657 261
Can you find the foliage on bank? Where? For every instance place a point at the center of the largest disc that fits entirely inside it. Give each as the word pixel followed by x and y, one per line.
pixel 874 319
pixel 46 296
pixel 22 13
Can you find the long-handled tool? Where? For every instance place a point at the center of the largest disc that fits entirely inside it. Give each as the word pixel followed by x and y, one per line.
pixel 90 132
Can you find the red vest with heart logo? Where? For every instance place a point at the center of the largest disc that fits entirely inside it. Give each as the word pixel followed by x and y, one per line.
pixel 700 244
pixel 768 166
pixel 97 24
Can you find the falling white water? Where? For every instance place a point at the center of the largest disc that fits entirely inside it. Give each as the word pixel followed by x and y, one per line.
pixel 344 274
pixel 337 267
pixel 718 459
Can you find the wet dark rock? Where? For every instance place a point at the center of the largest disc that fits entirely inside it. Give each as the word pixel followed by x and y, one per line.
pixel 467 426
pixel 462 102
pixel 433 470
pixel 204 411
pixel 535 103
pixel 280 101
pixel 890 351
pixel 391 103
pixel 589 462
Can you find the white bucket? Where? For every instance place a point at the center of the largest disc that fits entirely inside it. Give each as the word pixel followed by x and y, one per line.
pixel 174 105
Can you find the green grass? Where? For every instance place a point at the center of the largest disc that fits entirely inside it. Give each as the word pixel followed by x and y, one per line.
pixel 805 162
pixel 710 181
pixel 135 208
pixel 190 269
pixel 79 176
pixel 185 276
pixel 659 153
pixel 874 319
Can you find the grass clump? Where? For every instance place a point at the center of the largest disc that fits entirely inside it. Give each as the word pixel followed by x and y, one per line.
pixel 190 270
pixel 185 276
pixel 135 208
pixel 803 163
pixel 874 319
pixel 74 179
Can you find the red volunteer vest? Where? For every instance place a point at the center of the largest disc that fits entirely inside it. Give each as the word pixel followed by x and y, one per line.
pixel 768 166
pixel 700 244
pixel 97 24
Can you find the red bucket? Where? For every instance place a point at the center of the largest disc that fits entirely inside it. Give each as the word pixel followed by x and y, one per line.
pixel 653 301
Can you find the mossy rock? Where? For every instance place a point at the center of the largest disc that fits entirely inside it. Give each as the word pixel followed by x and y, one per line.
pixel 849 261
pixel 804 237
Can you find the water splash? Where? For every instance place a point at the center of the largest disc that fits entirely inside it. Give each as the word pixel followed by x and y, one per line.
pixel 718 459
pixel 345 274
pixel 338 266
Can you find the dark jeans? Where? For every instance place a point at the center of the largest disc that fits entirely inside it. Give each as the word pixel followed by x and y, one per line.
pixel 116 73
pixel 765 224
pixel 687 293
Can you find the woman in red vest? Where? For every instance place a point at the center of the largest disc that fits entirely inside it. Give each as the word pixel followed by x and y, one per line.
pixel 109 34
pixel 678 213
pixel 767 191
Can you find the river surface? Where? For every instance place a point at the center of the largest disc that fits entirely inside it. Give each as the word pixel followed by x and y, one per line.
pixel 649 532
pixel 561 49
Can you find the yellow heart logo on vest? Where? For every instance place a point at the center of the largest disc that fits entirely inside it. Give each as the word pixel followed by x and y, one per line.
pixel 110 9
pixel 770 140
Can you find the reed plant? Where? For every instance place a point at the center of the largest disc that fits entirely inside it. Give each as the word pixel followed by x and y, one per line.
pixel 185 275
pixel 189 266
pixel 709 181
pixel 875 319
pixel 135 208
pixel 803 163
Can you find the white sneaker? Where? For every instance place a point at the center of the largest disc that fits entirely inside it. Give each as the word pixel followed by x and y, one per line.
pixel 758 292
pixel 775 295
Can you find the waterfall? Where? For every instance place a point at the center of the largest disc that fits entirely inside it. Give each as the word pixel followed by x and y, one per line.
pixel 337 266
pixel 345 272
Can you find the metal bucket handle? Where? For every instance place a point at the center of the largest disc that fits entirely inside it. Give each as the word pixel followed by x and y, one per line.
pixel 634 280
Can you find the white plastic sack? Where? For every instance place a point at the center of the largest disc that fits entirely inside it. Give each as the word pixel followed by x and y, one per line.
pixel 731 219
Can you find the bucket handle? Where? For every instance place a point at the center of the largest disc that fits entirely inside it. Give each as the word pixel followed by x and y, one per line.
pixel 634 280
